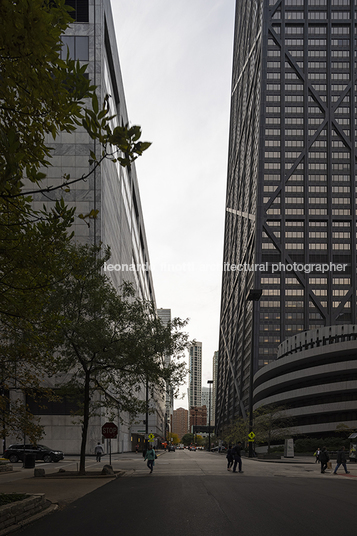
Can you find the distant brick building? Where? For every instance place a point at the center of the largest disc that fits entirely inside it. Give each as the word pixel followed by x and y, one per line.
pixel 198 416
pixel 180 422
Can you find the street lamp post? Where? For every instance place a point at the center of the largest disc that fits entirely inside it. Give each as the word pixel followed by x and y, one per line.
pixel 254 296
pixel 209 415
pixel 195 434
pixel 147 415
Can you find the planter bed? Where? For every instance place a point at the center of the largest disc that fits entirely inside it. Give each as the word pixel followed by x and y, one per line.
pixel 17 511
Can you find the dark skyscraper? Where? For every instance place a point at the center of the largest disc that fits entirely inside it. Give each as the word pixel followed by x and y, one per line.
pixel 291 192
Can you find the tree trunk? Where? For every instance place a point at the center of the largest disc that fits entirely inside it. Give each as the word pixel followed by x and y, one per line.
pixel 82 463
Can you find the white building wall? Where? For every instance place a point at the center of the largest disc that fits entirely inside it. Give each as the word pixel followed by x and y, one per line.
pixel 112 190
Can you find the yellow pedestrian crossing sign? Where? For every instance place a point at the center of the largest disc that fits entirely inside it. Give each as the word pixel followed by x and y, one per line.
pixel 251 436
pixel 151 438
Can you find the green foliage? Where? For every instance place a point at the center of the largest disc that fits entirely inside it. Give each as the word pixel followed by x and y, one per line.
pixel 8 498
pixel 40 94
pixel 32 246
pixel 187 439
pixel 174 437
pixel 214 441
pixel 269 424
pixel 237 431
pixel 111 345
pixel 309 444
pixel 199 440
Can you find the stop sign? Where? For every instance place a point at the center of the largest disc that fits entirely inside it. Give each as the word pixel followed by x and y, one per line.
pixel 109 430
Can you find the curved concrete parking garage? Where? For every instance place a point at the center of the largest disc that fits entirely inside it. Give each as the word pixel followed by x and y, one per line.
pixel 315 377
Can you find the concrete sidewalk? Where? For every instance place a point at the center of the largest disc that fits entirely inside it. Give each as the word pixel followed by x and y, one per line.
pixel 64 490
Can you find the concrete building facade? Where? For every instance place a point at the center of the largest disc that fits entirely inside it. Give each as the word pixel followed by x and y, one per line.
pixel 214 386
pixel 315 380
pixel 114 192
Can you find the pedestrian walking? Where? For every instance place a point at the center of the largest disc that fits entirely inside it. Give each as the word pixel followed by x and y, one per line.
pixel 236 451
pixel 150 456
pixel 136 449
pixel 317 454
pixel 341 460
pixel 98 451
pixel 324 458
pixel 229 457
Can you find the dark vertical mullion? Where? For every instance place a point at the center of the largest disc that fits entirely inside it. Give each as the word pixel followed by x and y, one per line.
pixel 282 172
pixel 353 163
pixel 264 20
pixel 329 164
pixel 306 167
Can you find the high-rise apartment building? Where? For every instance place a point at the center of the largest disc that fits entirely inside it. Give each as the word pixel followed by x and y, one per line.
pixel 114 192
pixel 195 375
pixel 290 225
pixel 165 317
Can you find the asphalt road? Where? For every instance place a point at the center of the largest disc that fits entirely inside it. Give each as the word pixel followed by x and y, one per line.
pixel 193 493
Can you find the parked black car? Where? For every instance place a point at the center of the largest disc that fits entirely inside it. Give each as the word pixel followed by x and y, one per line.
pixel 16 452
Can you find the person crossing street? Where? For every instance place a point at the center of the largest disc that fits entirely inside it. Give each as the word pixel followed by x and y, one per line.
pixel 236 451
pixel 150 456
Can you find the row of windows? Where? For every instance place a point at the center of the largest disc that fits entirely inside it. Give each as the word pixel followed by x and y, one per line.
pixel 313 281
pixel 311 211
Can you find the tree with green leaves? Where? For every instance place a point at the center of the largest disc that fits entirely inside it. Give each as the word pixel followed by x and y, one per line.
pixel 174 437
pixel 271 423
pixel 41 95
pixel 237 431
pixel 32 261
pixel 187 439
pixel 109 345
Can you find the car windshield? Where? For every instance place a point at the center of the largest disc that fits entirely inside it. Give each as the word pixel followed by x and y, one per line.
pixel 42 447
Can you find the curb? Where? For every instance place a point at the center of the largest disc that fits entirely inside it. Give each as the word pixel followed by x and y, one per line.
pixel 63 476
pixel 287 461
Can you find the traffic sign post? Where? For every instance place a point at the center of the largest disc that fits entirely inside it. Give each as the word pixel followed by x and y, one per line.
pixel 110 431
pixel 151 438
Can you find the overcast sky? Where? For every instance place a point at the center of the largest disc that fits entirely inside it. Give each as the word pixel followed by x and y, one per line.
pixel 176 61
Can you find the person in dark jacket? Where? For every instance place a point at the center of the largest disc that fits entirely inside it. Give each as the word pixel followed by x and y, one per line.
pixel 324 458
pixel 341 460
pixel 229 458
pixel 236 451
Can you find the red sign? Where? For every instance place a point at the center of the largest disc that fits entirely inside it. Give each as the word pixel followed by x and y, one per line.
pixel 109 430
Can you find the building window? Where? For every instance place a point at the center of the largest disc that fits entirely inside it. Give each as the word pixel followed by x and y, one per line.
pixel 77 46
pixel 81 10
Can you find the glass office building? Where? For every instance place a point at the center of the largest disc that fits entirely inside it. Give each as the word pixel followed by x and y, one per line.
pixel 290 225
